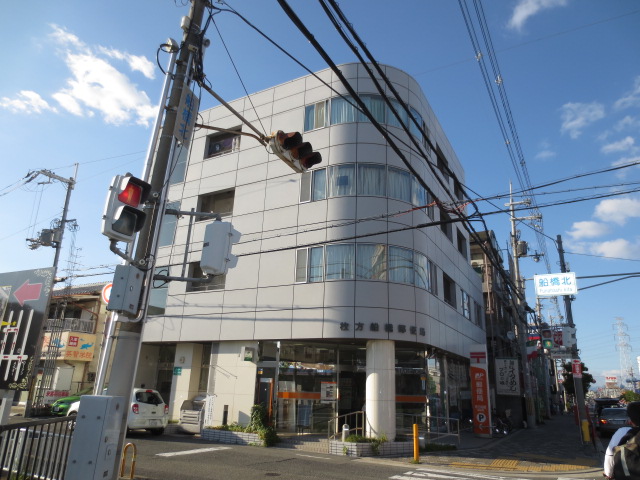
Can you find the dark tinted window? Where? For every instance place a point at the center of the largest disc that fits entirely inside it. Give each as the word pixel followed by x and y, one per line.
pixel 149 397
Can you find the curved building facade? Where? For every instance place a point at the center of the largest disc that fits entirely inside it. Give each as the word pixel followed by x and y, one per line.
pixel 338 301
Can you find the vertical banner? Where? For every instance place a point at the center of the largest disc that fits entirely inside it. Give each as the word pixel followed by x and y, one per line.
pixel 507 376
pixel 480 390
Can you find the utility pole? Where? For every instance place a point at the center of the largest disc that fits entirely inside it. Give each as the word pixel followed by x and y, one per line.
pixel 53 238
pixel 521 316
pixel 129 336
pixel 577 381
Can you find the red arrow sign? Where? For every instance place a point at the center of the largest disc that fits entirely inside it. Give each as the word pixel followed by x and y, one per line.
pixel 27 291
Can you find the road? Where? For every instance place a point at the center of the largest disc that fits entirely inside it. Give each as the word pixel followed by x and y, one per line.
pixel 187 458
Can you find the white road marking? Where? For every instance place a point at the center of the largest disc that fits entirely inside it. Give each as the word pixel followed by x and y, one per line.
pixel 424 473
pixel 191 452
pixel 313 456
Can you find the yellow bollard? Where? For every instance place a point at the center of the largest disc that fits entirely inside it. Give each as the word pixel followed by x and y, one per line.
pixel 586 434
pixel 133 459
pixel 416 444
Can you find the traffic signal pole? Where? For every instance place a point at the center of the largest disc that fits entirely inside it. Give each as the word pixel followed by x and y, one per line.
pixel 128 339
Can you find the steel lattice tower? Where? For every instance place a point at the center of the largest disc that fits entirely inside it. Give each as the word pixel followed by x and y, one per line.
pixel 627 374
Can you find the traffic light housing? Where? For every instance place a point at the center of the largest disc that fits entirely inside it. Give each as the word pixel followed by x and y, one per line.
pixel 123 216
pixel 290 148
pixel 216 256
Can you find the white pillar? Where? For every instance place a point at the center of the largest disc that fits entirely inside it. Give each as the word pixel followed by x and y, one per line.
pixel 381 389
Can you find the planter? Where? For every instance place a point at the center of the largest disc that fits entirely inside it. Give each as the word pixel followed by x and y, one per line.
pixel 386 449
pixel 225 436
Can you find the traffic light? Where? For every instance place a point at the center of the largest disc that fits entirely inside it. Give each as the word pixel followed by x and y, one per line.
pixel 123 216
pixel 290 148
pixel 216 250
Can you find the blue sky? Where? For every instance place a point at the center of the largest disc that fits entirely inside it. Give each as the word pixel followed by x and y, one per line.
pixel 81 85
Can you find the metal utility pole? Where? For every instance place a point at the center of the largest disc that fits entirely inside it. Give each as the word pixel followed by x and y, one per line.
pixel 129 336
pixel 577 381
pixel 523 332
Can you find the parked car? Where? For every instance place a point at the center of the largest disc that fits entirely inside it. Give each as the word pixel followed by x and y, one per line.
pixel 147 411
pixel 611 419
pixel 61 406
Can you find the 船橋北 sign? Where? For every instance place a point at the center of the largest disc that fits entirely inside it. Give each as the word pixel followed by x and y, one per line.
pixel 24 299
pixel 553 284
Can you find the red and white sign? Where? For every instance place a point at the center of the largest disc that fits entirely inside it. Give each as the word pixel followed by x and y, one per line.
pixel 106 292
pixel 557 338
pixel 480 400
pixel 576 368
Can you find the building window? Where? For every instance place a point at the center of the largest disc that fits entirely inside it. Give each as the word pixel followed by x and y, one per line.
pixel 371 262
pixel 309 265
pixel 221 143
pixel 392 119
pixel 342 180
pixel 399 184
pixel 449 290
pixel 159 293
pixel 479 316
pixel 446 226
pixel 457 190
pixel 376 106
pixel 203 383
pixel 421 271
pixel 343 110
pixel 218 202
pixel 340 262
pixel 400 265
pixel 462 244
pixel 371 180
pixel 466 304
pixel 442 163
pixel 179 168
pixel 315 116
pixel 216 281
pixel 313 186
pixel 415 131
pixel 169 223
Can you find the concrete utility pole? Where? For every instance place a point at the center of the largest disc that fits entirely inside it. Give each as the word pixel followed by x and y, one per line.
pixel 577 381
pixel 36 394
pixel 129 337
pixel 523 331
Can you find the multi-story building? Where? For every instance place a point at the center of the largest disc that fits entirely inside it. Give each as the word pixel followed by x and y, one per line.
pixel 73 335
pixel 504 352
pixel 338 302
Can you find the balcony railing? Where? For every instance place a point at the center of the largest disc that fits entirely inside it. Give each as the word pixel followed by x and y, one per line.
pixel 71 325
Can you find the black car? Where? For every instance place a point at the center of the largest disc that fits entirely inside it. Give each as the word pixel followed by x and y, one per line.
pixel 611 419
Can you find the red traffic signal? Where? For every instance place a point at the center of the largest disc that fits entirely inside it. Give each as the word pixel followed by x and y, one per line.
pixel 123 216
pixel 290 148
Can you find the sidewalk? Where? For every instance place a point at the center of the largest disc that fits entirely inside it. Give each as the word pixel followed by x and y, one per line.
pixel 553 447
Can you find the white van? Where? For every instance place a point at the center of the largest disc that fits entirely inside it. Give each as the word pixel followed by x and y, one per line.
pixel 147 412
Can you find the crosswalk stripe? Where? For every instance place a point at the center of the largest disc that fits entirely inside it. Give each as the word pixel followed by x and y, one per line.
pixel 191 452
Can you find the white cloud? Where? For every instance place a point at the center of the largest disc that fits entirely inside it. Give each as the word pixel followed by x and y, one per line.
pixel 630 99
pixel 26 101
pixel 61 37
pixel 619 248
pixel 97 85
pixel 617 210
pixel 627 122
pixel 577 116
pixel 136 62
pixel 545 154
pixel 623 145
pixel 588 229
pixel 525 9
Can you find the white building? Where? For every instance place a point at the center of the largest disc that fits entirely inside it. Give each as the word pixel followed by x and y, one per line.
pixel 319 317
